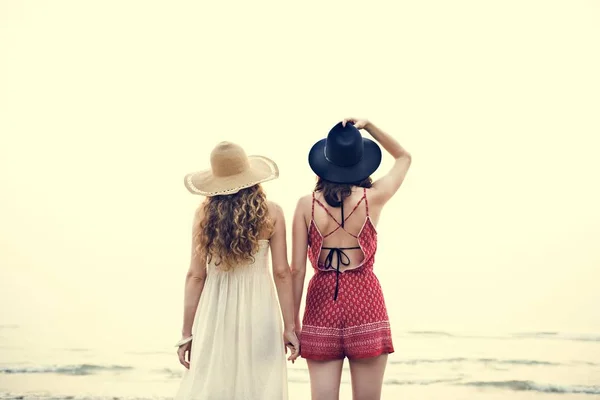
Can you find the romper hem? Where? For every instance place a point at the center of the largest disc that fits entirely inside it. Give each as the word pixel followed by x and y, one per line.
pixel 360 357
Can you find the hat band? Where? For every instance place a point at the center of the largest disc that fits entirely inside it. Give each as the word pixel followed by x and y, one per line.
pixel 340 165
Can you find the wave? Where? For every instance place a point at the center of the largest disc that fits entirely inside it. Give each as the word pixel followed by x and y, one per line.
pixel 171 372
pixel 429 361
pixel 400 382
pixel 46 396
pixel 581 337
pixel 476 360
pixel 420 382
pixel 148 353
pixel 82 369
pixel 540 334
pixel 587 363
pixel 536 387
pixel 430 333
pixel 517 362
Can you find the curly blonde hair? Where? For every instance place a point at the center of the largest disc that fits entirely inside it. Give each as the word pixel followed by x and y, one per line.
pixel 230 229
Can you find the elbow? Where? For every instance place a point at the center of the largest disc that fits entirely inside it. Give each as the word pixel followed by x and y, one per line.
pixel 404 156
pixel 298 272
pixel 193 278
pixel 282 273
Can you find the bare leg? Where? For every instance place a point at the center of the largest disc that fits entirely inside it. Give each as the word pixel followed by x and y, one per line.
pixel 367 377
pixel 325 377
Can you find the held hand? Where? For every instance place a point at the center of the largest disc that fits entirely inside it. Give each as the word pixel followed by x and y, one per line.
pixel 183 351
pixel 358 123
pixel 291 341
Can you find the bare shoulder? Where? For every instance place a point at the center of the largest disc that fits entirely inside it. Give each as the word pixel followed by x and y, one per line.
pixel 200 210
pixel 275 210
pixel 304 202
pixel 376 196
pixel 273 206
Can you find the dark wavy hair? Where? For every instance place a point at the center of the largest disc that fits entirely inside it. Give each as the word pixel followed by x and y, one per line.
pixel 230 229
pixel 336 193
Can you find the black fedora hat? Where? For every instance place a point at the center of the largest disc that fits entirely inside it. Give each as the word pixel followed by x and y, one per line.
pixel 344 156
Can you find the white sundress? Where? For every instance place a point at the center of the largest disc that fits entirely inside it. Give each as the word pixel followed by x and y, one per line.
pixel 237 351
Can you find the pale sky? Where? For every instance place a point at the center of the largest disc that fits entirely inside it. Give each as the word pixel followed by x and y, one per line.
pixel 104 106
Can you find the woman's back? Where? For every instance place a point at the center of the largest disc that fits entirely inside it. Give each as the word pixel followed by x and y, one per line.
pixel 260 264
pixel 345 314
pixel 238 329
pixel 232 331
pixel 328 221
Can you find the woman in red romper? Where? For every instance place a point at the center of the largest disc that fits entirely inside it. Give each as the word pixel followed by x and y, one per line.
pixel 345 313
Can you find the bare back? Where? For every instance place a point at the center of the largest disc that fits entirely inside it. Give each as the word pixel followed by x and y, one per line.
pixel 328 220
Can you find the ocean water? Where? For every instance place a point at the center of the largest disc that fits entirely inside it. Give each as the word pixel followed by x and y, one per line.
pixel 426 365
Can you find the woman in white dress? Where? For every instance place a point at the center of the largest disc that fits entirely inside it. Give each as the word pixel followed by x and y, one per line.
pixel 232 334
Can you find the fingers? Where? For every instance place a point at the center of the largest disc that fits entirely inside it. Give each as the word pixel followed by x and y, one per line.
pixel 352 121
pixel 186 363
pixel 294 347
pixel 295 352
pixel 290 339
pixel 181 353
pixel 182 361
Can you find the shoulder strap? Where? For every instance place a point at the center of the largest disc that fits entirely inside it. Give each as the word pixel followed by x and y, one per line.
pixel 340 225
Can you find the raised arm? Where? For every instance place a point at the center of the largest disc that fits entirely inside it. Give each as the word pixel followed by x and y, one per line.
pixel 389 184
pixel 299 249
pixel 283 280
pixel 194 283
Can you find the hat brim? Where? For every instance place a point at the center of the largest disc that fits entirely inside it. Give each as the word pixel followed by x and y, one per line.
pixel 334 173
pixel 262 169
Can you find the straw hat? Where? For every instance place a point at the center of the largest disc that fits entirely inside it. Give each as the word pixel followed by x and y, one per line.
pixel 344 156
pixel 231 170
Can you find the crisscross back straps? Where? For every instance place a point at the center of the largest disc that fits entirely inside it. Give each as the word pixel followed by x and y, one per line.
pixel 339 225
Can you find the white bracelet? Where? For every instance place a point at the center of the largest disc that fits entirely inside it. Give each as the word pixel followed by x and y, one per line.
pixel 183 341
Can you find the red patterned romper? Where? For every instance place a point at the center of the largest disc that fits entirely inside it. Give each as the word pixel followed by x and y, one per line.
pixel 345 314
